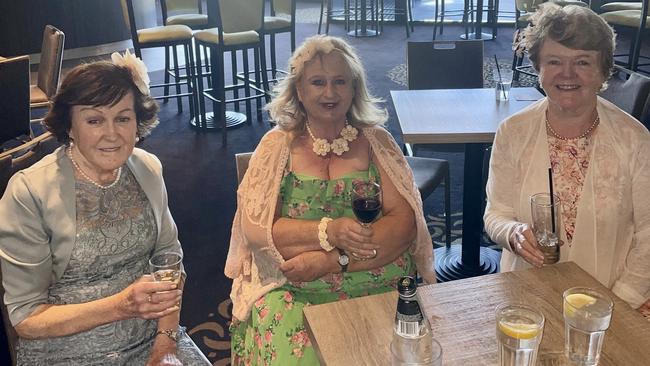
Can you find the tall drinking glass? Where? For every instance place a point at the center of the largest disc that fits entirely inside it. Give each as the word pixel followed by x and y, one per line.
pixel 545 230
pixel 366 205
pixel 166 266
pixel 587 313
pixel 519 331
pixel 413 352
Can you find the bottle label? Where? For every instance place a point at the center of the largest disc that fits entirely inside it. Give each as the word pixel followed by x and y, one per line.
pixel 409 328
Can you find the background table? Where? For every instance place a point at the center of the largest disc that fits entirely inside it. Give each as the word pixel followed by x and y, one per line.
pixel 359 331
pixel 460 116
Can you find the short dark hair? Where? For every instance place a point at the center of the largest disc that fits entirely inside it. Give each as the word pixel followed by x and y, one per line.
pixel 572 26
pixel 96 84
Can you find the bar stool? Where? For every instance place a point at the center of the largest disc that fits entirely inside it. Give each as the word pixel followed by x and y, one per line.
pixel 238 26
pixel 166 36
pixel 180 12
pixel 636 23
pixel 327 11
pixel 282 19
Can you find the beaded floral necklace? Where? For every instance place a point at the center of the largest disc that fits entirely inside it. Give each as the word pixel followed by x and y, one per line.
pixel 117 172
pixel 338 146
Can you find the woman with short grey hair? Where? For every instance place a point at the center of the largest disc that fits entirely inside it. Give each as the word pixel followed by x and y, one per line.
pixel 598 155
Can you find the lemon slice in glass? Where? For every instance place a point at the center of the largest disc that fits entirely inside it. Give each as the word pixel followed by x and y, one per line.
pixel 577 301
pixel 519 330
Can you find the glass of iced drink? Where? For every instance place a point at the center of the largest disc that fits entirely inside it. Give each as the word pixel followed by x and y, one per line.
pixel 166 266
pixel 519 330
pixel 587 313
pixel 545 229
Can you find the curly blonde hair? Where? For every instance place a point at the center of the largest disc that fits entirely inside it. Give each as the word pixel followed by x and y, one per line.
pixel 572 26
pixel 286 109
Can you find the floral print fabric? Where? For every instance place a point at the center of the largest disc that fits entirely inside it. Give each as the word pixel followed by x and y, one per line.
pixel 570 162
pixel 275 334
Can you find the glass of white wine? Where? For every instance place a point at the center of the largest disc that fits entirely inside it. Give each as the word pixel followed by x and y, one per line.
pixel 166 266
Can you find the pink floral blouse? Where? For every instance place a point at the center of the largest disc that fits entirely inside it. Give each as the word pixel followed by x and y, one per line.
pixel 570 161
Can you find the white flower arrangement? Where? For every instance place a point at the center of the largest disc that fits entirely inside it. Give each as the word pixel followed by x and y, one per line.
pixel 339 146
pixel 321 147
pixel 349 133
pixel 136 67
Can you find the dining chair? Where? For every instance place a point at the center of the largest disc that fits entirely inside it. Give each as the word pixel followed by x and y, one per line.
pixel 445 64
pixel 635 24
pixel 238 28
pixel 630 91
pixel 49 69
pixel 14 99
pixel 164 37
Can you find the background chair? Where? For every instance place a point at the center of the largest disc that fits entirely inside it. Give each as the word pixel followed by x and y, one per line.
pixel 49 69
pixel 180 12
pixel 282 19
pixel 445 64
pixel 635 23
pixel 14 99
pixel 441 13
pixel 165 36
pixel 630 91
pixel 238 26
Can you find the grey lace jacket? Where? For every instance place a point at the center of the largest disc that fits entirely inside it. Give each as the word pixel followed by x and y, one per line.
pixel 253 261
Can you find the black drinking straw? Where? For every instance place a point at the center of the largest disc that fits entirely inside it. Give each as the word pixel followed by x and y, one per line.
pixel 500 85
pixel 550 186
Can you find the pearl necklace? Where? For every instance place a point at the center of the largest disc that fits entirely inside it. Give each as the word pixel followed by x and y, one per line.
pixel 583 135
pixel 338 146
pixel 117 172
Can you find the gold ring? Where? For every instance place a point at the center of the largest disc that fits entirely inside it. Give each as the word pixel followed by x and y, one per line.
pixel 149 298
pixel 374 253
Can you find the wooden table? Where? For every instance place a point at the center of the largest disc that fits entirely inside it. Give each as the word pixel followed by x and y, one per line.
pixel 359 331
pixel 460 116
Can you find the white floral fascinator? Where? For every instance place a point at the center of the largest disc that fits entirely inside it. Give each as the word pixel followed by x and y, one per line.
pixel 136 67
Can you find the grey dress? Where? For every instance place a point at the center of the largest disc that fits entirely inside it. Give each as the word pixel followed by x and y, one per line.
pixel 116 235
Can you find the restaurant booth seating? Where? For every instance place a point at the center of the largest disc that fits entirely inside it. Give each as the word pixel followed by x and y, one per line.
pixel 49 69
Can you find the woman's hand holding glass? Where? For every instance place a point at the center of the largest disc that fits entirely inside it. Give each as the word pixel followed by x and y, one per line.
pixel 348 234
pixel 524 244
pixel 148 299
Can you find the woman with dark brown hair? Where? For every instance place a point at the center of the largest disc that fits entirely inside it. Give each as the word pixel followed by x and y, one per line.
pixel 79 227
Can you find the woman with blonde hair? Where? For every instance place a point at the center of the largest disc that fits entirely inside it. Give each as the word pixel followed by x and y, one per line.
pixel 294 239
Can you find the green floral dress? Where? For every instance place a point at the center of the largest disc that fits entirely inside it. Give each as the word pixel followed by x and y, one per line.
pixel 274 333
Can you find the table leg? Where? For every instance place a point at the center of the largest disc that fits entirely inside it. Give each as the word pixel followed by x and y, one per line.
pixel 471 259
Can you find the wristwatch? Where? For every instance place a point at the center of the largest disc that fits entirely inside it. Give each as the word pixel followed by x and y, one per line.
pixel 344 260
pixel 172 334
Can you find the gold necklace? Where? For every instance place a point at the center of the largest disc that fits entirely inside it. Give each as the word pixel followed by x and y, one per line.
pixel 583 135
pixel 338 146
pixel 117 172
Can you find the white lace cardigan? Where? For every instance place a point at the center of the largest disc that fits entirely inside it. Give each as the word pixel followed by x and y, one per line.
pixel 612 237
pixel 253 261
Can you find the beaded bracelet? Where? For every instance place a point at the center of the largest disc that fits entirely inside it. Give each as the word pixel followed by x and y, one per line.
pixel 322 234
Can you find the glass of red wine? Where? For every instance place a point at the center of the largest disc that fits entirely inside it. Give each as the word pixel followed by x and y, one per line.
pixel 366 204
